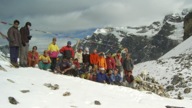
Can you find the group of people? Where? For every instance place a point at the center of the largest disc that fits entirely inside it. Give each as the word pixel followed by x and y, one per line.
pixel 100 67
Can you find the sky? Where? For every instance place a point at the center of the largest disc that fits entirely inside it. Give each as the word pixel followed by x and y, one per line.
pixel 62 16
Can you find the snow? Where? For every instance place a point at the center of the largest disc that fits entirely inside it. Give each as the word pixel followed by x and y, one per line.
pixel 181 48
pixel 164 71
pixel 83 92
pixel 178 32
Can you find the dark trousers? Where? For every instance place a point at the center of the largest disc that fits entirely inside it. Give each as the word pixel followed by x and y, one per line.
pixel 14 53
pixel 53 63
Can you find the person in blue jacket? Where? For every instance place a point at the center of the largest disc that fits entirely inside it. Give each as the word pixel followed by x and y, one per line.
pixel 116 78
pixel 101 76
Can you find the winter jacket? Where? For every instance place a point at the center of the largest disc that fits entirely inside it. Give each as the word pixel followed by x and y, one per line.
pixel 76 63
pixel 45 59
pixel 33 56
pixel 102 63
pixel 94 58
pixel 128 64
pixel 14 36
pixel 86 58
pixel 116 78
pixel 24 35
pixel 118 60
pixel 53 50
pixel 102 78
pixel 79 56
pixel 129 79
pixel 67 52
pixel 110 63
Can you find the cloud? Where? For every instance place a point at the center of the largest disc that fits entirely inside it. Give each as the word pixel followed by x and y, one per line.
pixel 61 16
pixel 71 15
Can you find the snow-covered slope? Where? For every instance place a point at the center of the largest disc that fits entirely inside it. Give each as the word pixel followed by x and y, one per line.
pixel 173 70
pixel 184 47
pixel 83 92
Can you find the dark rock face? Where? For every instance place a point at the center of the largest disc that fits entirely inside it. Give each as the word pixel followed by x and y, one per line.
pixel 176 80
pixel 187 25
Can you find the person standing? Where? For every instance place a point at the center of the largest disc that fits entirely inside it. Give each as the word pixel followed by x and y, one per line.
pixel 110 62
pixel 79 56
pixel 128 64
pixel 53 51
pixel 14 38
pixel 25 37
pixel 67 51
pixel 94 59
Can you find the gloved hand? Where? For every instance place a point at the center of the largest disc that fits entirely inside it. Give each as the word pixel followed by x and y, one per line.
pixel 29 37
pixel 23 43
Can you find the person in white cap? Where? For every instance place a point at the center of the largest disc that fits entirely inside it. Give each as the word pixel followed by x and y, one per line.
pixel 101 76
pixel 79 55
pixel 86 56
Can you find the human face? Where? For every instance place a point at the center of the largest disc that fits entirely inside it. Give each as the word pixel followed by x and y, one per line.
pixel 16 25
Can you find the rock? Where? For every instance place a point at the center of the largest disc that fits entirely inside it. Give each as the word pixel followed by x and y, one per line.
pixel 170 88
pixel 179 96
pixel 25 91
pixel 12 100
pixel 168 106
pixel 10 80
pixel 176 79
pixel 97 102
pixel 187 90
pixel 66 94
pixel 48 85
pixel 55 87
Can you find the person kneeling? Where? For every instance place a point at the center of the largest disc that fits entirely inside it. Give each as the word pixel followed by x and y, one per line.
pixel 65 67
pixel 44 61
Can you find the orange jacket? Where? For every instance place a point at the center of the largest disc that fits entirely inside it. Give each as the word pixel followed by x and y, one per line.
pixel 94 58
pixel 102 63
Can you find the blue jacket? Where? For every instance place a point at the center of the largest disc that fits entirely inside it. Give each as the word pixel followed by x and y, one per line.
pixel 116 78
pixel 102 78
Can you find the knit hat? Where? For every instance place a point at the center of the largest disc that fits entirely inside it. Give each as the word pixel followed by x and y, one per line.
pixel 101 68
pixel 69 43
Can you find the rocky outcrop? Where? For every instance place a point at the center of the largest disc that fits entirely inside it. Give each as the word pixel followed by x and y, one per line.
pixel 145 43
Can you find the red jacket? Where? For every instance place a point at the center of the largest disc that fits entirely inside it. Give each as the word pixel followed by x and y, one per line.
pixel 94 59
pixel 67 51
pixel 110 63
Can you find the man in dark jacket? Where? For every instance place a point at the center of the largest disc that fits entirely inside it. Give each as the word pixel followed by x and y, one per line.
pixel 67 51
pixel 25 37
pixel 128 64
pixel 14 38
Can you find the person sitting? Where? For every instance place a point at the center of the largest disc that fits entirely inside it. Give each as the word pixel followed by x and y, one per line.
pixel 44 61
pixel 101 76
pixel 32 57
pixel 128 80
pixel 116 78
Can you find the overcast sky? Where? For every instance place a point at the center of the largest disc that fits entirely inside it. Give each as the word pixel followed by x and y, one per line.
pixel 71 15
pixel 61 16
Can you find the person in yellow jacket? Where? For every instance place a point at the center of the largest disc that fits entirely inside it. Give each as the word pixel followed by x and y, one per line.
pixel 102 62
pixel 53 51
pixel 44 61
